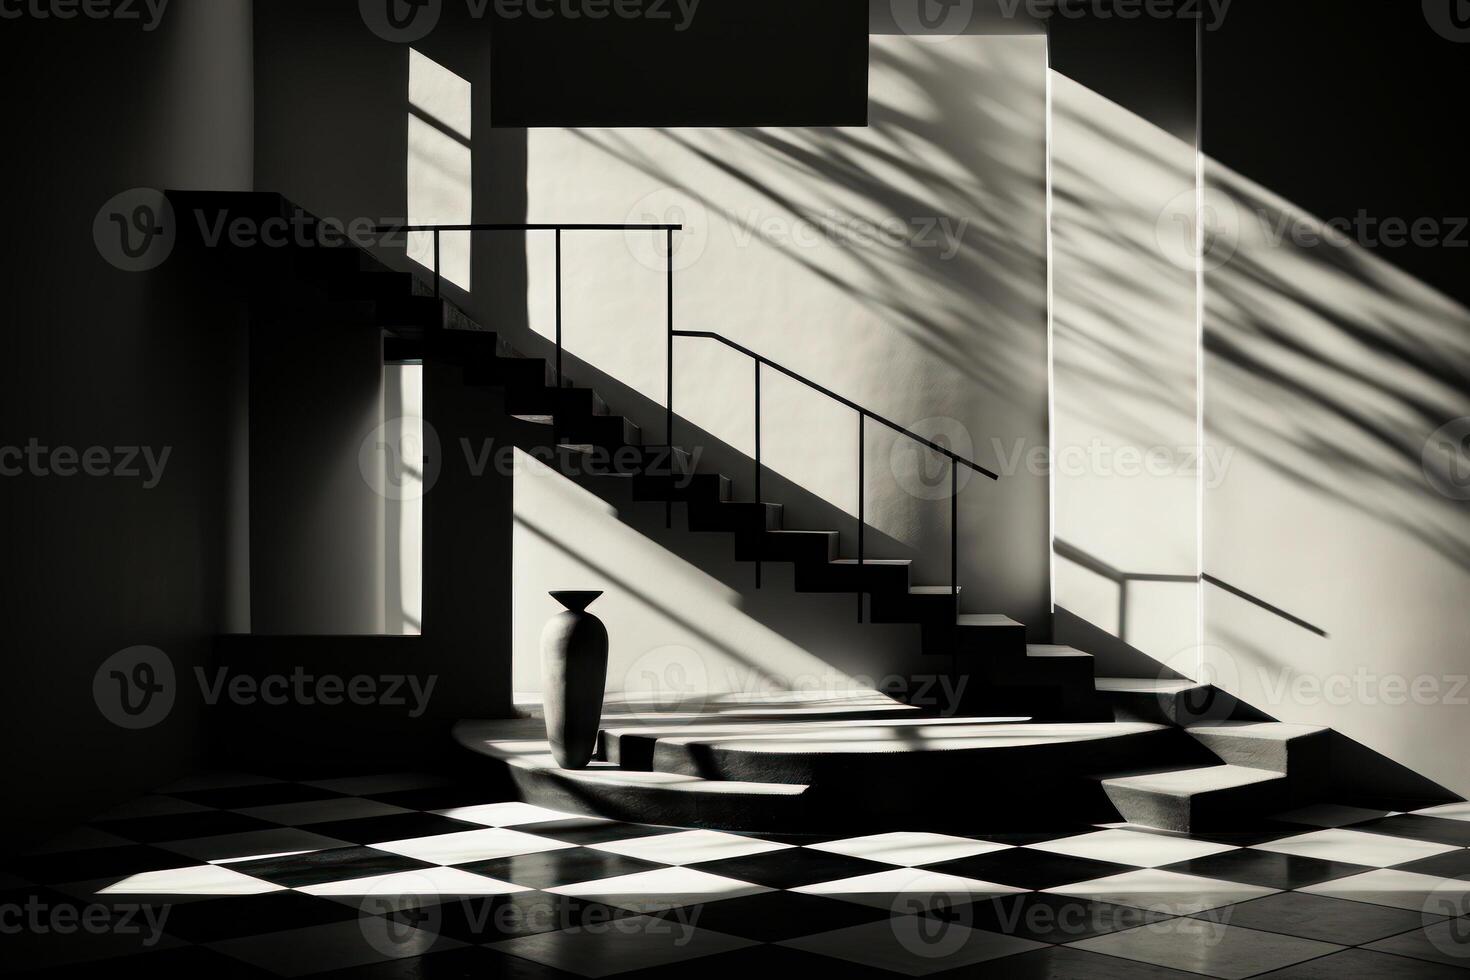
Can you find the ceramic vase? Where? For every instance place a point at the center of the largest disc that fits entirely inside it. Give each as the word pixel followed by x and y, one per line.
pixel 573 674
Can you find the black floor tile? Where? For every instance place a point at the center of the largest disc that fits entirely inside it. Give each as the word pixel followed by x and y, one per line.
pixel 755 962
pixel 438 797
pixel 399 826
pixel 791 868
pixel 773 916
pixel 470 963
pixel 265 794
pixel 1046 918
pixel 182 963
pixel 336 864
pixel 588 830
pixel 1062 963
pixel 1362 964
pixel 1451 864
pixel 1328 920
pixel 549 869
pixel 251 915
pixel 1026 868
pixel 183 826
pixel 492 918
pixel 1266 868
pixel 1435 829
pixel 101 863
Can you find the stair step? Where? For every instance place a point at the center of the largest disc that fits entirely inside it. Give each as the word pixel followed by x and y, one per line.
pixel 1191 799
pixel 878 577
pixel 1165 700
pixel 814 547
pixel 734 516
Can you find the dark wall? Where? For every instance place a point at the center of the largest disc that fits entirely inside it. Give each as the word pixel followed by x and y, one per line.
pixel 1341 107
pixel 95 356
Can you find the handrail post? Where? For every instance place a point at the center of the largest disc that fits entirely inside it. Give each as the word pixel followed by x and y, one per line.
pixel 759 507
pixel 954 531
pixel 558 310
pixel 436 263
pixel 861 523
pixel 669 352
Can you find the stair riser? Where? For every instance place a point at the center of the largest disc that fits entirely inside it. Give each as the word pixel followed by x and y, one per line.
pixel 824 577
pixel 734 517
pixel 697 487
pixel 904 608
pixel 905 772
pixel 814 549
pixel 1235 807
pixel 1005 644
pixel 1305 760
pixel 1195 706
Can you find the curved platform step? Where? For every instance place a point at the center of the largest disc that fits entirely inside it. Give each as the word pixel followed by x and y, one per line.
pixel 768 764
pixel 1192 799
pixel 606 790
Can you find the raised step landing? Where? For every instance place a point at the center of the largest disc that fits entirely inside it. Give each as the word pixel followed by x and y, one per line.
pixel 820 762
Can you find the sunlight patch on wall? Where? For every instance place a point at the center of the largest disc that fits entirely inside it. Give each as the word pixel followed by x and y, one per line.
pixel 439 165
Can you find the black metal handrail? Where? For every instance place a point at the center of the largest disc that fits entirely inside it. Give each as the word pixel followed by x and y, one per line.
pixel 955 460
pixel 558 228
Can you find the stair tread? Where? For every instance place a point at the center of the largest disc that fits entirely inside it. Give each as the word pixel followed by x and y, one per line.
pixel 1146 685
pixel 985 619
pixel 788 530
pixel 1193 782
pixel 1052 650
pixel 872 561
pixel 931 590
pixel 1275 731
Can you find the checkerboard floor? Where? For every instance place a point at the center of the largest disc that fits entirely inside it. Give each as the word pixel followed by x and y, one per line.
pixel 408 875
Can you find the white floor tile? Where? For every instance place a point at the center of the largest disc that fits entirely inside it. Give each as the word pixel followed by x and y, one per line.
pixel 1163 891
pixel 207 879
pixel 1142 850
pixel 1400 889
pixel 471 845
pixel 913 945
pixel 1447 811
pixel 385 893
pixel 1356 847
pixel 910 850
pixel 690 847
pixel 621 946
pixel 908 890
pixel 504 814
pixel 655 891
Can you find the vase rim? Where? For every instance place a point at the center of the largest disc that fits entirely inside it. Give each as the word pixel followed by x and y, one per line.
pixel 576 601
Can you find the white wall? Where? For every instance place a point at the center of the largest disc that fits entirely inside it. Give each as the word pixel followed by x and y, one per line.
pixel 1328 371
pixel 1125 351
pixel 924 299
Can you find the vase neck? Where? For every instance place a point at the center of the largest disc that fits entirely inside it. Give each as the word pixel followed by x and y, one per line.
pixel 576 601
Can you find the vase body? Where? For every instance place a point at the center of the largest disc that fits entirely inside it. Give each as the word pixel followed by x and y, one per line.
pixel 573 674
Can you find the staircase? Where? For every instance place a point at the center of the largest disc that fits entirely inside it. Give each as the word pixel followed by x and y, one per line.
pixel 1035 729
